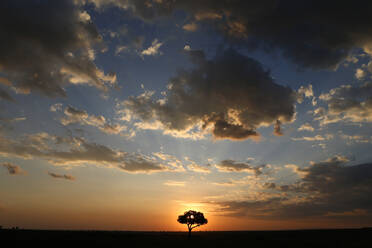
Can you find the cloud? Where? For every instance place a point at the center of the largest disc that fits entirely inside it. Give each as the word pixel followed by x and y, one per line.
pixel 13 169
pixel 251 181
pixel 6 96
pixel 350 103
pixel 364 72
pixel 141 164
pixel 193 133
pixel 306 92
pixel 124 4
pixel 229 96
pixel 120 49
pixel 277 128
pixel 315 138
pixel 191 27
pixel 58 176
pixel 195 167
pixel 233 166
pixel 56 107
pixel 327 189
pixel 170 160
pixel 70 151
pixel 73 115
pixel 306 127
pixel 288 27
pixel 49 46
pixel 11 120
pixel 360 74
pixel 296 169
pixel 175 183
pixel 198 168
pixel 356 138
pixel 187 48
pixel 153 49
pixel 113 128
pixel 225 184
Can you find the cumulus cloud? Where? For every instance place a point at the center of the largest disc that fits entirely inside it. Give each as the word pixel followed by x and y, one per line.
pixel 365 71
pixel 13 169
pixel 70 151
pixel 327 189
pixel 48 46
pixel 229 96
pixel 360 73
pixel 60 176
pixel 290 27
pixel 306 127
pixel 351 103
pixel 153 49
pixel 306 92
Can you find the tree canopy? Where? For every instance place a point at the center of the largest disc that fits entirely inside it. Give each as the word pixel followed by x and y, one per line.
pixel 192 219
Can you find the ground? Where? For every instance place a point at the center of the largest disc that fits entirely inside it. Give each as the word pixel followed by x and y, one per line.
pixel 300 239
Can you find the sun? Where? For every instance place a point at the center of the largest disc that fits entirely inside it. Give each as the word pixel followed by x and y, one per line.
pixel 196 206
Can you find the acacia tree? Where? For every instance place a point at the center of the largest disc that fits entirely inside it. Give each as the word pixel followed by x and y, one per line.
pixel 192 219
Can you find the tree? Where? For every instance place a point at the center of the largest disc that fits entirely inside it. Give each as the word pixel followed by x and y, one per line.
pixel 192 219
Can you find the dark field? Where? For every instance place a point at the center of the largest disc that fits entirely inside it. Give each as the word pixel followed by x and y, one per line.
pixel 299 239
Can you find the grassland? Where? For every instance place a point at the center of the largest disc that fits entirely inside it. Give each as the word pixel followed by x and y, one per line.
pixel 347 238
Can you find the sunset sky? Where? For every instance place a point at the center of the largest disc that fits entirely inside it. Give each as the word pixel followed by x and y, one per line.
pixel 123 114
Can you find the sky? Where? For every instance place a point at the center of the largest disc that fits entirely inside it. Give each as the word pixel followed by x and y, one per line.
pixel 124 114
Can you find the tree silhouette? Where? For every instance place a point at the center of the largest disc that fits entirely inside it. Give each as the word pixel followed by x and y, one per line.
pixel 192 219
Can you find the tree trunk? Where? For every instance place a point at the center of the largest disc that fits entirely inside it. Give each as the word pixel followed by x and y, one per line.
pixel 189 232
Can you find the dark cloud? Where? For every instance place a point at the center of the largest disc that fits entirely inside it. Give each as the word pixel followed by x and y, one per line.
pixel 64 176
pixel 231 95
pixel 277 128
pixel 13 169
pixel 48 45
pixel 233 166
pixel 6 96
pixel 315 34
pixel 329 188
